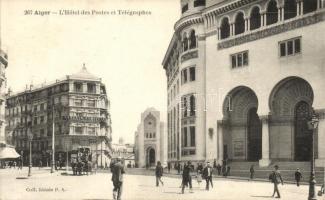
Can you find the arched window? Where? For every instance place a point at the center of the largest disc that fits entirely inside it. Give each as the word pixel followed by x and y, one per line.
pixel 239 23
pixel 185 42
pixel 192 40
pixel 225 28
pixel 272 13
pixel 290 9
pixel 192 105
pixel 255 21
pixel 309 6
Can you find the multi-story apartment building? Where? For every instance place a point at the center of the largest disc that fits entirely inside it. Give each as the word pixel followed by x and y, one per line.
pixel 77 107
pixel 242 78
pixel 3 66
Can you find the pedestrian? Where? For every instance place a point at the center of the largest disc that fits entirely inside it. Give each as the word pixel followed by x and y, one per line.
pixel 178 166
pixel 168 167
pixel 207 174
pixel 200 168
pixel 117 178
pixel 199 177
pixel 276 179
pixel 228 170
pixel 298 177
pixel 186 177
pixel 224 170
pixel 40 164
pixel 252 172
pixel 215 164
pixel 159 174
pixel 219 169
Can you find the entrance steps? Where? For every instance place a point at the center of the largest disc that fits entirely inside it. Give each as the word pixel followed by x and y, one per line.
pixel 287 168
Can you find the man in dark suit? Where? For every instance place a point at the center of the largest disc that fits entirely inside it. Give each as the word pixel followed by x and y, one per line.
pixel 159 173
pixel 186 177
pixel 298 177
pixel 117 178
pixel 276 179
pixel 207 174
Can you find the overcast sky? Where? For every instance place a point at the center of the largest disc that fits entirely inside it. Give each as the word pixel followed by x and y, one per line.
pixel 125 51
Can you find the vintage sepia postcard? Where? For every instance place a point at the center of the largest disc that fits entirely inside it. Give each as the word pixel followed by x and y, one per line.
pixel 162 99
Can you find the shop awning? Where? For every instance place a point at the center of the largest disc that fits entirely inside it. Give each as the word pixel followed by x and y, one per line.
pixel 7 151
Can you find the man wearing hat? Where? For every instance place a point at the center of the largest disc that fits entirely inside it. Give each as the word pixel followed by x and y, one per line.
pixel 117 178
pixel 207 174
pixel 276 179
pixel 298 177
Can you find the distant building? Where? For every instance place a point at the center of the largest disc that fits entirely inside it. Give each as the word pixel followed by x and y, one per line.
pixel 150 140
pixel 125 151
pixel 80 107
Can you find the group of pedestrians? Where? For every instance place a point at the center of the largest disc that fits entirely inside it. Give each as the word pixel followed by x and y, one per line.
pixel 203 173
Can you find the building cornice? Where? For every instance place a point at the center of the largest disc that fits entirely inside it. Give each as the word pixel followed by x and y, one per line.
pixel 218 9
pixel 188 20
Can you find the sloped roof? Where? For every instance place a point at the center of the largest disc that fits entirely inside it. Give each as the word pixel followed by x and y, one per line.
pixel 83 74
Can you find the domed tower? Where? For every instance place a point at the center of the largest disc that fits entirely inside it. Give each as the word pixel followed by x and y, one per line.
pixel 184 63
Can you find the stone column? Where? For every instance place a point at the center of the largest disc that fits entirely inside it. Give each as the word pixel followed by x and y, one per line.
pixel 232 29
pixel 246 26
pixel 71 86
pixel 265 161
pixel 84 87
pixel 219 33
pixel 248 23
pixel 262 19
pixel 220 125
pixel 320 161
pixel 319 4
pixel 298 7
pixel 280 9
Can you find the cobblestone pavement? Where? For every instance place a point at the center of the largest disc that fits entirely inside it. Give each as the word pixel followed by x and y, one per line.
pixel 44 185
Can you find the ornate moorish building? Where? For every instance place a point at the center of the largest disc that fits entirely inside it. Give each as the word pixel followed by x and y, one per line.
pixel 79 106
pixel 150 143
pixel 243 77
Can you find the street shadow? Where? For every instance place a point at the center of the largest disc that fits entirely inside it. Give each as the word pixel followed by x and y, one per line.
pixel 22 177
pixel 262 196
pixel 173 192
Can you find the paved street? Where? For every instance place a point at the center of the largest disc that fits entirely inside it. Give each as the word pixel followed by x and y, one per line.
pixel 43 185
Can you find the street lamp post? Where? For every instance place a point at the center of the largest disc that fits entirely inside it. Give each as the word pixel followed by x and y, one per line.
pixel 53 140
pixel 30 138
pixel 312 125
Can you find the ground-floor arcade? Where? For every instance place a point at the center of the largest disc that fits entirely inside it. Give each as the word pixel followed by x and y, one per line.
pixel 280 135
